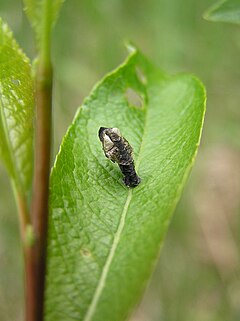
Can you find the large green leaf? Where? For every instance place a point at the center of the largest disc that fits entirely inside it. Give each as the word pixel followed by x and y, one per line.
pixel 16 109
pixel 224 11
pixel 104 238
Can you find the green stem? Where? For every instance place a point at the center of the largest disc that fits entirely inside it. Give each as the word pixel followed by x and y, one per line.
pixel 45 39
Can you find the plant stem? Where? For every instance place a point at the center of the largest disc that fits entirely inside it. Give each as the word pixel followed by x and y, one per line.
pixel 36 256
pixel 27 241
pixel 23 211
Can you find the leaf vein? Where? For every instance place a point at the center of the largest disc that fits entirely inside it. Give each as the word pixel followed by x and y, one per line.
pixel 106 267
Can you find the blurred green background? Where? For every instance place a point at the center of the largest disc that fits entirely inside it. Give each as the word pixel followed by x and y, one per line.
pixel 198 275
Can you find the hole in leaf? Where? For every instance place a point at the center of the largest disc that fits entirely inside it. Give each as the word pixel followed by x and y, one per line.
pixel 134 98
pixel 141 76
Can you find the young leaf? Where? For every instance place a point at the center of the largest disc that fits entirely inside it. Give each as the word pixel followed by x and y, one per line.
pixel 42 14
pixel 224 11
pixel 16 109
pixel 104 238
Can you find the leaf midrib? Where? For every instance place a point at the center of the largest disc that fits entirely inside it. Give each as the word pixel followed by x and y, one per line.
pixel 102 280
pixel 98 291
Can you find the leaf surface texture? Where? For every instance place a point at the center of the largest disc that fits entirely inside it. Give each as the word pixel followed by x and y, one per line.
pixel 104 238
pixel 16 110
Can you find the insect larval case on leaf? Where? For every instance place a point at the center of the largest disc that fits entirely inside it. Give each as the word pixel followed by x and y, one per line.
pixel 119 151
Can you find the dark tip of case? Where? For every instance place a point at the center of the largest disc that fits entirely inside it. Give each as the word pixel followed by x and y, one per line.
pixel 100 132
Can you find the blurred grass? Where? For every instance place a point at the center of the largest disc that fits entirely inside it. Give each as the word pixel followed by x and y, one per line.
pixel 198 274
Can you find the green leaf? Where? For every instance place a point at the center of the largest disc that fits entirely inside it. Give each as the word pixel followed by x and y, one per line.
pixel 16 109
pixel 104 238
pixel 42 14
pixel 224 11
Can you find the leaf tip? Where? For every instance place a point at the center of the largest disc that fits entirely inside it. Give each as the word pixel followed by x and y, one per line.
pixel 131 48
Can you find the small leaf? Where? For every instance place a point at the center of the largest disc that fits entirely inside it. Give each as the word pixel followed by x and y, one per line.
pixel 104 238
pixel 16 109
pixel 42 13
pixel 224 11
